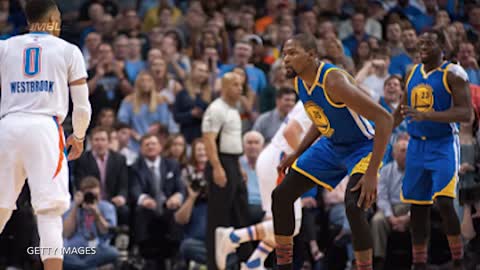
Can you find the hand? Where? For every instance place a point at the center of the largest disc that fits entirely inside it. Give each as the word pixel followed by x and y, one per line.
pixel 219 176
pixel 244 175
pixel 368 186
pixel 174 202
pixel 92 207
pixel 415 115
pixel 465 167
pixel 402 223
pixel 197 112
pixel 191 193
pixel 149 203
pixel 393 220
pixel 286 162
pixel 77 147
pixel 309 202
pixel 78 198
pixel 99 70
pixel 118 200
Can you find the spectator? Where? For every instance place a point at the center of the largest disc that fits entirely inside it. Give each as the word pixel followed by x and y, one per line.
pixel 246 102
pixel 145 107
pixel 87 224
pixel 177 64
pixel 107 82
pixel 334 50
pixel 134 63
pixel 121 48
pixel 269 122
pixel 358 25
pixel 400 63
pixel 124 133
pixel 193 213
pixel 469 155
pixel 392 214
pixel 222 124
pixel 194 21
pixel 253 143
pixel 191 102
pixel 106 118
pixel 394 39
pixel 107 166
pixel 157 190
pixel 152 55
pixel 241 58
pixel 176 149
pixel 468 60
pixel 471 234
pixel 374 73
pixel 362 55
pixel 413 14
pixel 277 80
pixel 371 25
pixel 109 6
pixel 166 86
pixel 163 15
pixel 90 50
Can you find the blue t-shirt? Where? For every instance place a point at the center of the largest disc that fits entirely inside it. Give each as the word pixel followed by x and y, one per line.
pixel 399 64
pixel 473 75
pixel 86 228
pixel 256 77
pixel 197 226
pixel 133 68
pixel 351 42
pixel 254 196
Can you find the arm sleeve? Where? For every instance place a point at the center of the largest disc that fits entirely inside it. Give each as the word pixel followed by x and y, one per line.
pixel 76 65
pixel 82 110
pixel 212 120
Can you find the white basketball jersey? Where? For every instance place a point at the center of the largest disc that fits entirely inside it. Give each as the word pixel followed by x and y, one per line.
pixel 35 71
pixel 298 114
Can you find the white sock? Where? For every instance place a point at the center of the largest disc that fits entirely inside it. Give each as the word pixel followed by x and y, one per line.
pixel 258 257
pixel 243 235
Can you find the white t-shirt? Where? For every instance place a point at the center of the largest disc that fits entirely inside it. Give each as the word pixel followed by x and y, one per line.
pixel 298 114
pixel 225 120
pixel 35 71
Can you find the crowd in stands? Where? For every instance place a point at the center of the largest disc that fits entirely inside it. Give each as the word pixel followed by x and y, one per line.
pixel 154 66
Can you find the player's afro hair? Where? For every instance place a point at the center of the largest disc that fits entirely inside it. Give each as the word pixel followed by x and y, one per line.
pixel 306 41
pixel 35 10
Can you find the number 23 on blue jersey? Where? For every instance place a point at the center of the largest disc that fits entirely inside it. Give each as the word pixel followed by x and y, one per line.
pixel 32 61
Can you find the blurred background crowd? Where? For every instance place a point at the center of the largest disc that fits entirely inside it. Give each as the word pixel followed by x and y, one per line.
pixel 154 67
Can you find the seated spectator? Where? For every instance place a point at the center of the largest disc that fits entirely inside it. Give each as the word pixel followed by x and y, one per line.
pixel 392 214
pixel 134 62
pixel 124 133
pixel 277 80
pixel 399 64
pixel 334 50
pixel 145 107
pixel 107 81
pixel 241 58
pixel 106 118
pixel 176 149
pixel 164 85
pixel 392 94
pixel 191 103
pixel 121 48
pixel 468 60
pixel 107 166
pixel 157 191
pixel 362 55
pixel 358 26
pixel 87 224
pixel 162 15
pixel 90 50
pixel 247 101
pixel 374 73
pixel 193 212
pixel 269 122
pixel 253 143
pixel 394 38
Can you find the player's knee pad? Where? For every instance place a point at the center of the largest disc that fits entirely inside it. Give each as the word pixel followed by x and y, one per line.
pixel 50 229
pixel 5 215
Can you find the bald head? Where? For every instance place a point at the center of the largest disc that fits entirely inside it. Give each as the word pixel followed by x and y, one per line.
pixel 231 87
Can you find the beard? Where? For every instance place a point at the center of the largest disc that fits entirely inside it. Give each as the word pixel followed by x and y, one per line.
pixel 290 73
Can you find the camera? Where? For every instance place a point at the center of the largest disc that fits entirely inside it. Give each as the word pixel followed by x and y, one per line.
pixel 198 184
pixel 89 198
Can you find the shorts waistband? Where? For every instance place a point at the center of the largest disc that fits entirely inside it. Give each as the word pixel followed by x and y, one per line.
pixel 426 138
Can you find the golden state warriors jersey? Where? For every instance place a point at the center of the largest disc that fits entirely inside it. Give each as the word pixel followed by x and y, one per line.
pixel 429 92
pixel 337 122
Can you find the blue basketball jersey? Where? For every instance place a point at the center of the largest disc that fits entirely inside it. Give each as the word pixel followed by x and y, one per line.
pixel 429 92
pixel 337 122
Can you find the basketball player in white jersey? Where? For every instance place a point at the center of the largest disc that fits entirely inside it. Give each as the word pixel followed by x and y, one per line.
pixel 38 70
pixel 287 138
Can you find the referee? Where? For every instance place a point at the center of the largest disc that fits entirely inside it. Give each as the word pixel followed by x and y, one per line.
pixel 227 193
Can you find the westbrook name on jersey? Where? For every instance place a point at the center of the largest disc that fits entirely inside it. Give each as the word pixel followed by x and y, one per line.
pixel 347 137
